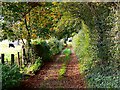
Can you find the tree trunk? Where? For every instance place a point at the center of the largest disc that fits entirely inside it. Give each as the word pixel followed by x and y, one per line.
pixel 28 40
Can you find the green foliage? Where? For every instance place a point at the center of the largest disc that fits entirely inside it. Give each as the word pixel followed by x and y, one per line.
pixel 55 46
pixel 10 76
pixel 66 59
pixel 37 41
pixel 104 77
pixel 62 70
pixel 41 49
pixel 97 46
pixel 33 68
pixel 66 26
pixel 48 48
pixel 66 52
pixel 12 12
pixel 40 18
pixel 81 45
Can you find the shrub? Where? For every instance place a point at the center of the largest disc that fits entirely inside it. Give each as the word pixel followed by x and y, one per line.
pixel 33 68
pixel 41 49
pixel 10 76
pixel 55 45
pixel 66 51
pixel 46 48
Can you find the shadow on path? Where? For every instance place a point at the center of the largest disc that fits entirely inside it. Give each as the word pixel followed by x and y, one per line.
pixel 48 76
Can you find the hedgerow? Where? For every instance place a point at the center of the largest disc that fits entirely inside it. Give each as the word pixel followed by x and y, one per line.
pixel 97 47
pixel 47 48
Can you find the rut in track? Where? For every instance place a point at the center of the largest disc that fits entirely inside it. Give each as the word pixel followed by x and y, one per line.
pixel 73 78
pixel 48 76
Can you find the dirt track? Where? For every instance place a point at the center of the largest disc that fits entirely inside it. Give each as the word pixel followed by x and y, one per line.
pixel 48 76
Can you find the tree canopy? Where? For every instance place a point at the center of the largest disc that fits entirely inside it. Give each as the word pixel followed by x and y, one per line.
pixel 29 19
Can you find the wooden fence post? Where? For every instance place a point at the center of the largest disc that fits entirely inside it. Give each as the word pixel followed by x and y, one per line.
pixel 24 55
pixel 12 59
pixel 2 58
pixel 19 64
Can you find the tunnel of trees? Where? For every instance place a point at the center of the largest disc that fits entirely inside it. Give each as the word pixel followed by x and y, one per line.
pixel 95 28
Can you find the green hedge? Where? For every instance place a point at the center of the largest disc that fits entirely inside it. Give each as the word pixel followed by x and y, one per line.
pixel 83 49
pixel 47 48
pixel 41 49
pixel 101 71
